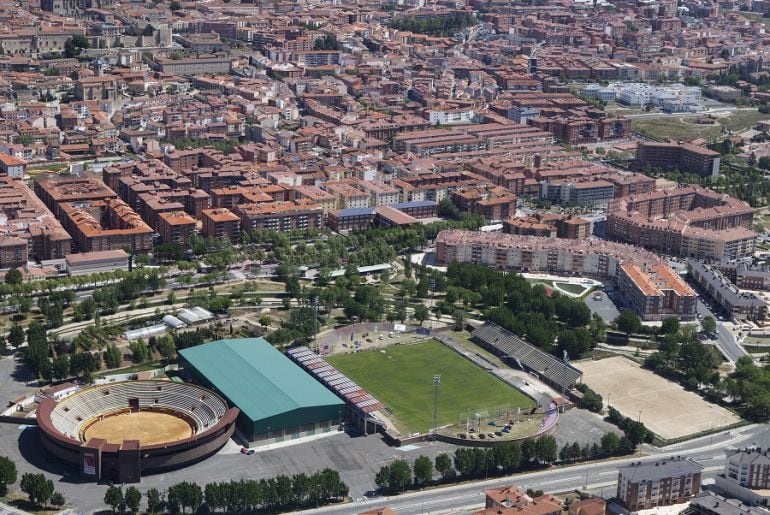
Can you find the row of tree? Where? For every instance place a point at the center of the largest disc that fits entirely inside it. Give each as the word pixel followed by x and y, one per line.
pixel 502 459
pixel 279 494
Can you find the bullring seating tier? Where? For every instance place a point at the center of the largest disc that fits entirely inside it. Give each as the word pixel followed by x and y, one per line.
pixel 199 406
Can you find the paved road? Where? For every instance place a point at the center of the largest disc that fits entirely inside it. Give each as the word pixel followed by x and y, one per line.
pixel 599 477
pixel 725 339
pixel 14 377
pixel 727 343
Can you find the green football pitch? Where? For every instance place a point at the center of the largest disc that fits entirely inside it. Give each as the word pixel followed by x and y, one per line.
pixel 402 378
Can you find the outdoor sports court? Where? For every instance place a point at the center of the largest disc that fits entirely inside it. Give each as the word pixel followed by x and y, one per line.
pixel 663 406
pixel 149 427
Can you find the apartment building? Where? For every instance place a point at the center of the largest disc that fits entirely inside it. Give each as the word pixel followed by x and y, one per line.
pixel 12 166
pixel 656 292
pixel 688 221
pixel 57 189
pixel 191 66
pixel 380 194
pixel 746 476
pixel 648 285
pixel 346 195
pixel 742 305
pixel 176 226
pixel 747 277
pixel 221 223
pixel 280 216
pixel 435 187
pixel 664 482
pixel 591 192
pixel 492 202
pixel 29 229
pixel 105 225
pixel 325 199
pixel 684 157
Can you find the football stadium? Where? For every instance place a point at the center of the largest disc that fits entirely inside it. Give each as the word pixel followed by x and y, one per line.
pixel 123 430
pixel 278 401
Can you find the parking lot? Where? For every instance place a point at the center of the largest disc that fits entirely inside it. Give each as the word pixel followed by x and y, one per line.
pixel 605 307
pixel 582 426
pixel 356 458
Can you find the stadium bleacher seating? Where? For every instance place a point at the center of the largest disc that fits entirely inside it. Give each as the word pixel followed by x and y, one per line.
pixel 506 344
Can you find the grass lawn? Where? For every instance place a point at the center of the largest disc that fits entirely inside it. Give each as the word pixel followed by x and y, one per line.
pixel 756 349
pixel 743 120
pixel 402 378
pixel 577 289
pixel 674 127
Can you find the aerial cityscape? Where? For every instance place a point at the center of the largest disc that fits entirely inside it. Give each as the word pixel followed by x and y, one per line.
pixel 492 257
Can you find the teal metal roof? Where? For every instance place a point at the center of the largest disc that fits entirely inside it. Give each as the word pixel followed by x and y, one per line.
pixel 257 378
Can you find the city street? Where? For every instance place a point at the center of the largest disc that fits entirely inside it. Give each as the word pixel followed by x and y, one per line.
pixel 598 477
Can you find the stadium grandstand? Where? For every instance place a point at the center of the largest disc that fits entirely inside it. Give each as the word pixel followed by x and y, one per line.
pixel 508 346
pixel 278 400
pixel 362 405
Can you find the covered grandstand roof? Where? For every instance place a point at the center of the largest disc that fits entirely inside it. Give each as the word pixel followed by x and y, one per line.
pixel 257 378
pixel 507 344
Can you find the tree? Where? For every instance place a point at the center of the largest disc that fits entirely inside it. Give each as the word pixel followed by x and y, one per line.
pixel 13 276
pixel 628 322
pixel 148 30
pixel 400 476
pixel 37 487
pixel 423 471
pixel 166 348
pixel 421 313
pixel 709 324
pixel 112 356
pixel 7 474
pixel 184 495
pixel 382 477
pixel 16 336
pixel 113 498
pixel 448 209
pixel 57 500
pixel 546 449
pixel 265 321
pixel 139 351
pixel 60 368
pixel 610 443
pixel 154 500
pixel 133 498
pixel 443 465
pixel 175 6
pixel 670 325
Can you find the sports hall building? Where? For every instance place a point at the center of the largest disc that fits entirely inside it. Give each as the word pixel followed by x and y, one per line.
pixel 278 401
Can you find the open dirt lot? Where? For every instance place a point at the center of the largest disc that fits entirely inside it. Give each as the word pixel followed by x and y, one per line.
pixel 666 408
pixel 148 427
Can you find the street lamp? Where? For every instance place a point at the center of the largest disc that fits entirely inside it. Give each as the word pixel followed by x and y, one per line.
pixel 436 384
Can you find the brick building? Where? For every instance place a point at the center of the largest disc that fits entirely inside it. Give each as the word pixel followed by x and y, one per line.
pixel 664 482
pixel 176 226
pixel 221 223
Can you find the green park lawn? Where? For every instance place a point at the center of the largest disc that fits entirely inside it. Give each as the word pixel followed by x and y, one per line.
pixel 402 378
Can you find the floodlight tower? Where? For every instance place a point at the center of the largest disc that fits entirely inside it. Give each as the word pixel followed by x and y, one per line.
pixel 436 384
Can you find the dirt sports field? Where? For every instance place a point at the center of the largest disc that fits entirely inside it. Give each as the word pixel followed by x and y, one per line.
pixel 666 408
pixel 149 427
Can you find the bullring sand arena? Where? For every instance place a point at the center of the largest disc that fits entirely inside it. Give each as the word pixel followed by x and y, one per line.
pixel 149 427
